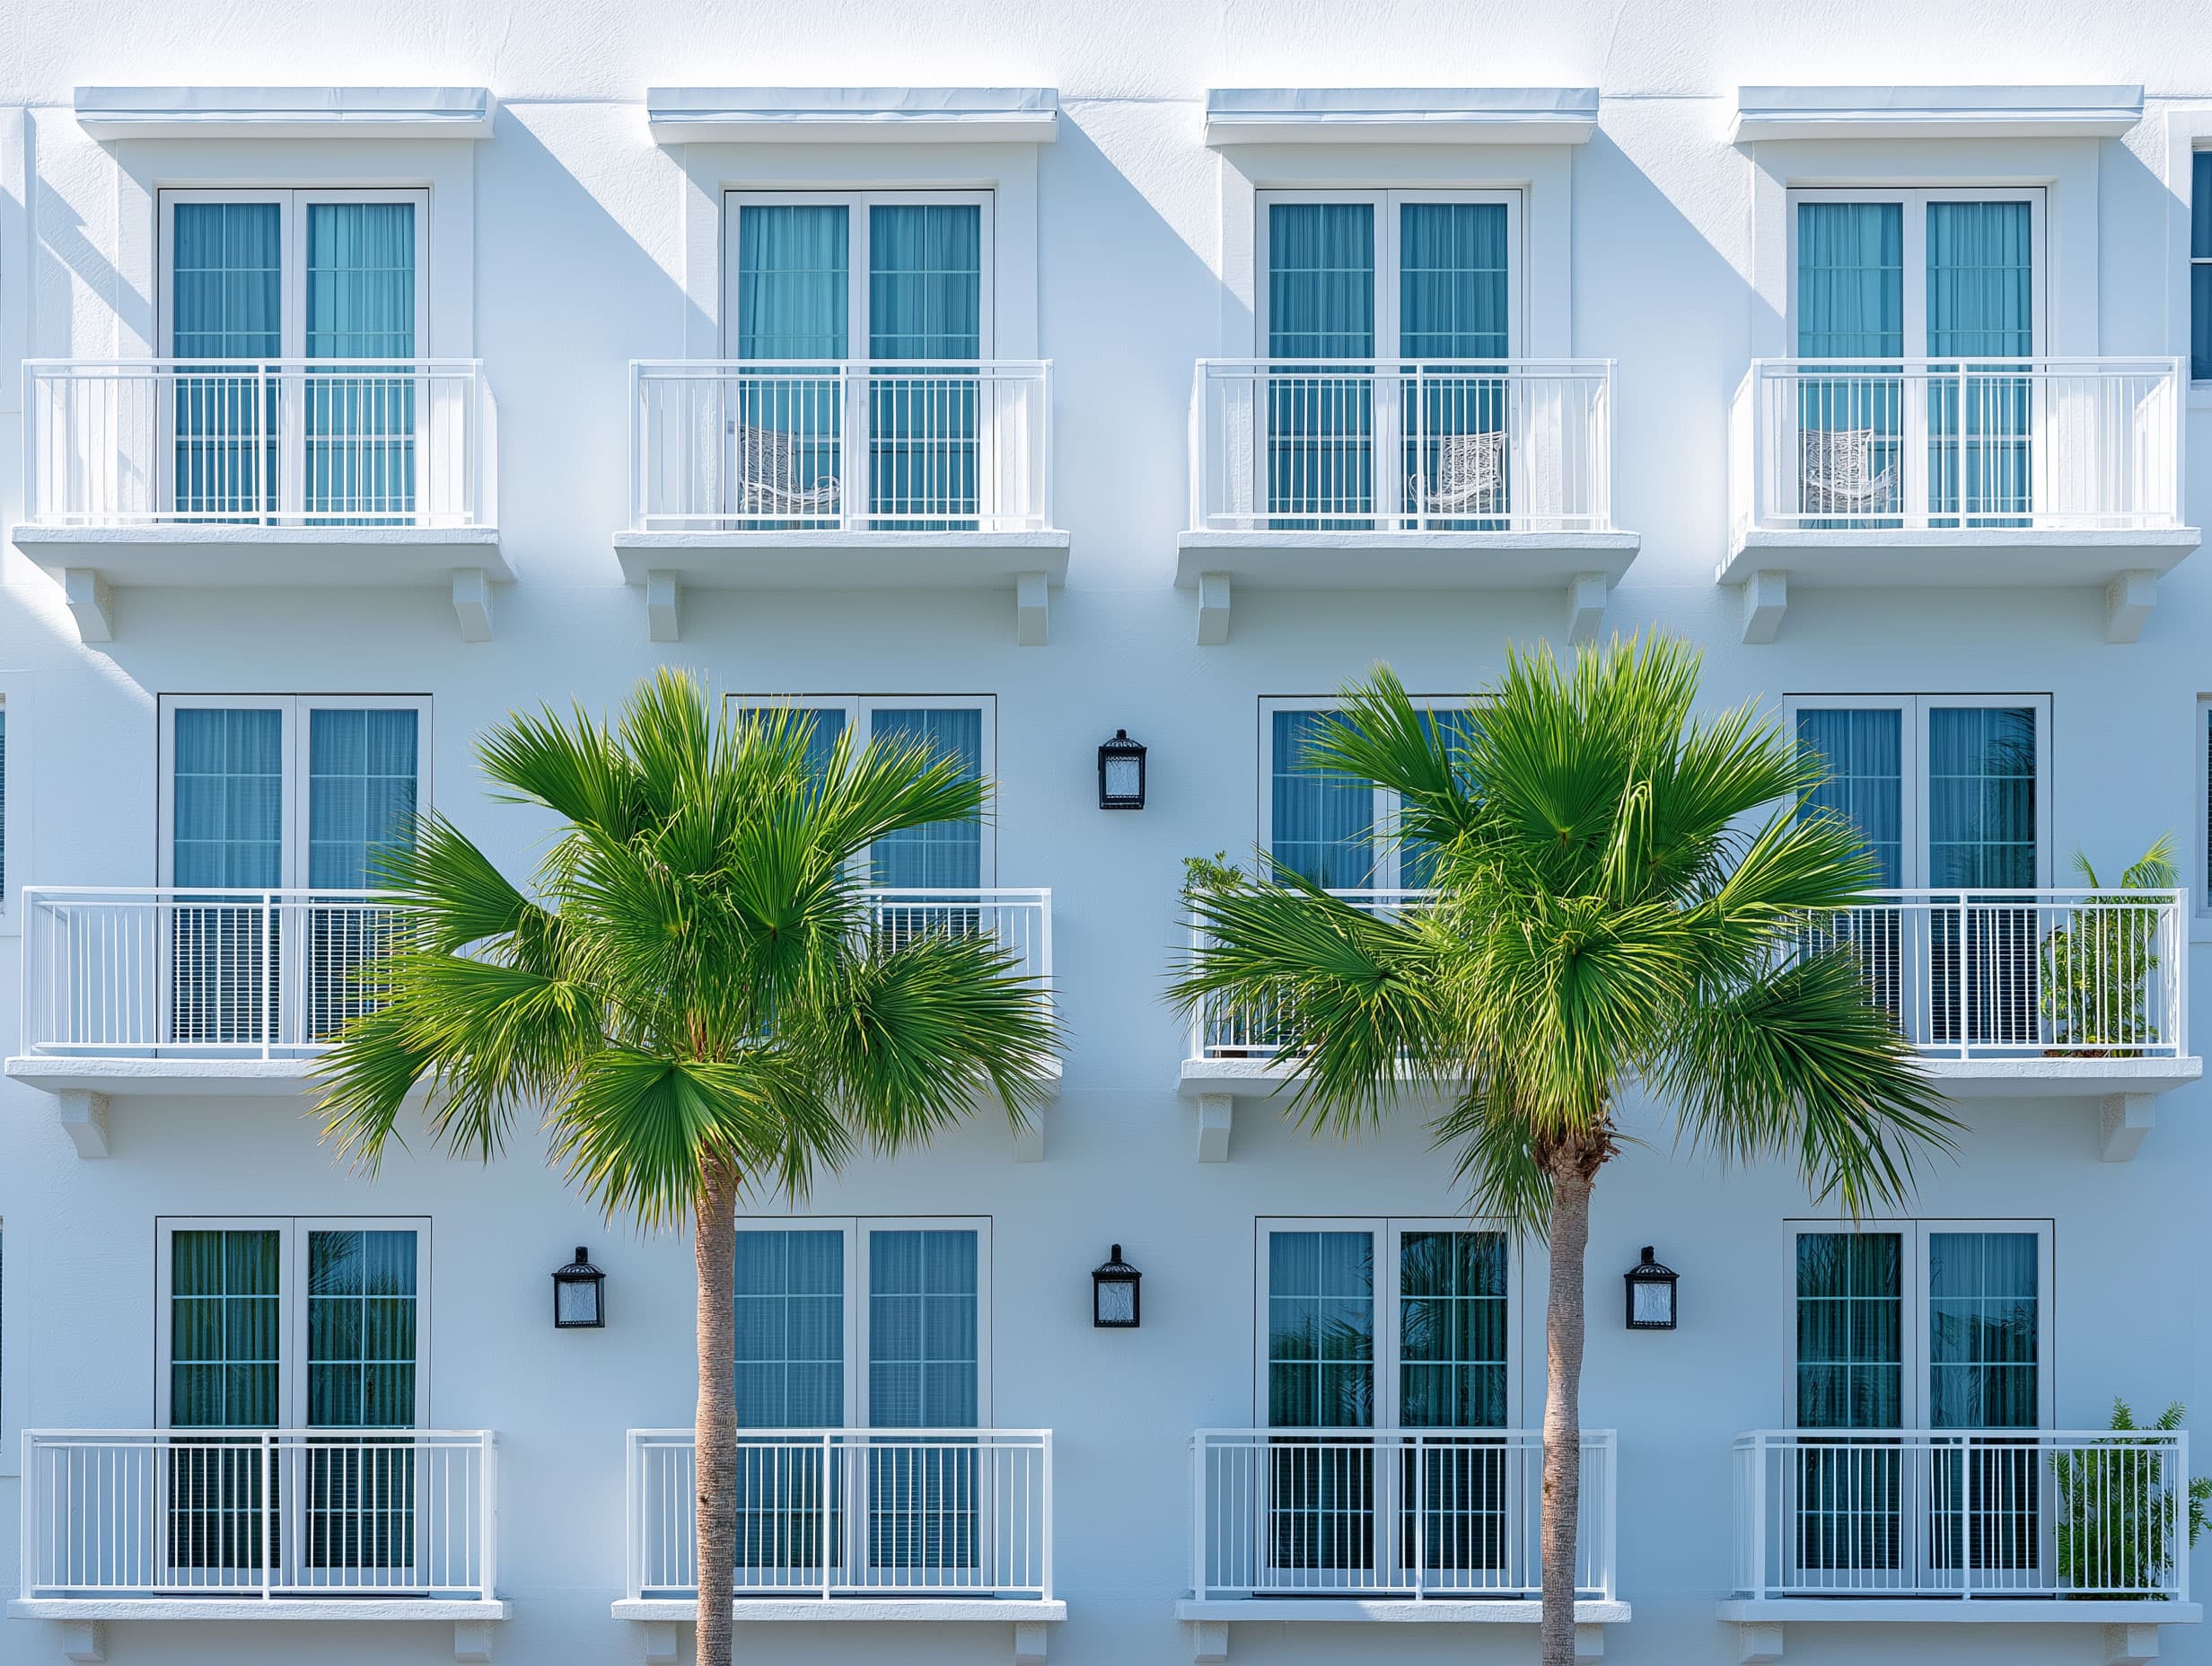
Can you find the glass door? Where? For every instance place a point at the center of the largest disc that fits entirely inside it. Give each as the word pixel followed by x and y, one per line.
pixel 1459 1494
pixel 791 1376
pixel 224 1319
pixel 226 854
pixel 925 1513
pixel 1320 1378
pixel 362 1523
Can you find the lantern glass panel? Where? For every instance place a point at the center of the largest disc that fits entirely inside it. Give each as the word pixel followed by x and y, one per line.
pixel 1652 1302
pixel 1117 1301
pixel 1123 777
pixel 576 1302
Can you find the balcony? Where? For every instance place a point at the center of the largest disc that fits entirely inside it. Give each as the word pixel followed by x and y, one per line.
pixel 2009 473
pixel 842 476
pixel 1999 1526
pixel 2003 995
pixel 1357 1526
pixel 178 1524
pixel 200 992
pixel 853 1525
pixel 231 473
pixel 1355 475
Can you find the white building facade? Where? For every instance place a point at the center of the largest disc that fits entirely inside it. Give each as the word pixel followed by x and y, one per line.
pixel 1015 379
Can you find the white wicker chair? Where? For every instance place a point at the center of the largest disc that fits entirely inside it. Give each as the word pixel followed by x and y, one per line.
pixel 1838 476
pixel 1470 476
pixel 768 476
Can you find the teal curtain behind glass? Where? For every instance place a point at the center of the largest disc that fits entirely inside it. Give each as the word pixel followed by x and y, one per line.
pixel 1451 1330
pixel 1322 821
pixel 944 853
pixel 1982 796
pixel 793 280
pixel 1321 306
pixel 1863 752
pixel 1453 292
pixel 225 1328
pixel 360 793
pixel 226 301
pixel 1320 1331
pixel 228 799
pixel 791 1330
pixel 360 306
pixel 1850 1330
pixel 1417 859
pixel 1981 302
pixel 2200 266
pixel 361 1327
pixel 923 1312
pixel 925 302
pixel 1850 280
pixel 1983 1324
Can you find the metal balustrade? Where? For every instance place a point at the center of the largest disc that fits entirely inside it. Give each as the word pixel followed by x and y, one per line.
pixel 814 446
pixel 275 974
pixel 1450 446
pixel 1416 1514
pixel 1961 1514
pixel 2083 444
pixel 853 1512
pixel 255 442
pixel 265 1514
pixel 1966 974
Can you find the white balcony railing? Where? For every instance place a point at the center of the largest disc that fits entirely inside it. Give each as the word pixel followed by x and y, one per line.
pixel 1476 445
pixel 259 1512
pixel 272 443
pixel 1961 1514
pixel 2039 444
pixel 853 1512
pixel 1966 975
pixel 275 974
pixel 732 446
pixel 1418 1514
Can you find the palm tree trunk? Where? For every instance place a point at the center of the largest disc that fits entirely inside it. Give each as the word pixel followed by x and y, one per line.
pixel 1571 1179
pixel 714 1432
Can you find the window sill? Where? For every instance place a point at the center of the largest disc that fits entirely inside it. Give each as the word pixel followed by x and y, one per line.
pixel 863 1609
pixel 168 1608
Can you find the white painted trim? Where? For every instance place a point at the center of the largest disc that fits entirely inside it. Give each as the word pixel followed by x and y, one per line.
pixel 1400 115
pixel 851 1610
pixel 1949 1610
pixel 1907 112
pixel 345 1609
pixel 284 112
pixel 736 115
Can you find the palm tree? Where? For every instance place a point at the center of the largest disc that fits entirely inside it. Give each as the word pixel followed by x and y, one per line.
pixel 693 999
pixel 1625 897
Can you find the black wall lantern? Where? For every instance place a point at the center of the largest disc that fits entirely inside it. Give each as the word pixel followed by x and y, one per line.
pixel 1113 1295
pixel 1651 1295
pixel 579 1294
pixel 1121 773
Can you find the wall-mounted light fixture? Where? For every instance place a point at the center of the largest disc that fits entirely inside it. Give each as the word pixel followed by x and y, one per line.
pixel 1121 773
pixel 1651 1295
pixel 579 1294
pixel 1113 1293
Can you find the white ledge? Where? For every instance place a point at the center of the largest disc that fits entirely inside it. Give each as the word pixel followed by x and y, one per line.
pixel 184 1078
pixel 173 1607
pixel 192 555
pixel 842 560
pixel 2058 1078
pixel 1400 115
pixel 960 115
pixel 1966 558
pixel 1390 1611
pixel 1949 1610
pixel 783 1611
pixel 1996 112
pixel 284 112
pixel 1394 560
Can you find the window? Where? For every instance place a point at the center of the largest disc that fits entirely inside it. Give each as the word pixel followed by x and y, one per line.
pixel 2200 266
pixel 1899 278
pixel 1328 827
pixel 952 854
pixel 1412 288
pixel 265 278
pixel 1946 790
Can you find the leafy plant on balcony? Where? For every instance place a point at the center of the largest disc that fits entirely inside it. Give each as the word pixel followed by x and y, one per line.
pixel 2117 1504
pixel 691 997
pixel 2099 967
pixel 1617 908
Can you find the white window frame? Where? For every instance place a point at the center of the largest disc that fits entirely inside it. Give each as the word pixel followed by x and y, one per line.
pixel 293 1232
pixel 295 746
pixel 857 204
pixel 1386 204
pixel 1387 1233
pixel 855 1229
pixel 1913 213
pixel 294 204
pixel 1385 876
pixel 859 712
pixel 1914 818
pixel 1914 1356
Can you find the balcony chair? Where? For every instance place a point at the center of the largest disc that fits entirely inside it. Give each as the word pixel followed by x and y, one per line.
pixel 1837 477
pixel 768 476
pixel 1470 476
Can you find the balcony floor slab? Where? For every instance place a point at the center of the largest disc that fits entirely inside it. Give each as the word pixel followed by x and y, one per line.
pixel 864 560
pixel 799 1611
pixel 1376 560
pixel 1390 1611
pixel 1942 557
pixel 179 1078
pixel 2059 1078
pixel 1954 1611
pixel 177 1608
pixel 191 557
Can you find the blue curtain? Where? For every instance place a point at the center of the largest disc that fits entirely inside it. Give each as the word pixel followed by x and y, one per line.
pixel 1453 298
pixel 1320 1331
pixel 1863 752
pixel 228 799
pixel 792 277
pixel 226 301
pixel 225 1328
pixel 1983 1308
pixel 944 853
pixel 790 1330
pixel 362 1324
pixel 1850 1330
pixel 1981 300
pixel 1322 821
pixel 1321 306
pixel 1417 858
pixel 360 306
pixel 1982 796
pixel 2200 266
pixel 1850 280
pixel 1451 1330
pixel 361 792
pixel 925 302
